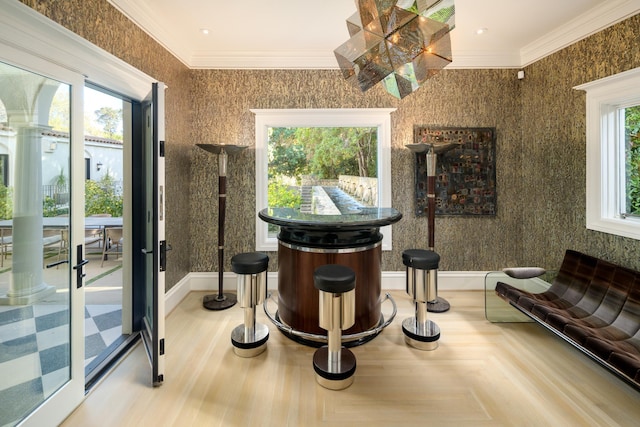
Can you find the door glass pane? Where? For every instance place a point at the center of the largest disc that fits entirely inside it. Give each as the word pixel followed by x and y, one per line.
pixel 149 205
pixel 34 238
pixel 105 136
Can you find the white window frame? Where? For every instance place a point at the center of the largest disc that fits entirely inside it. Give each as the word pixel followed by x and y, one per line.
pixel 605 129
pixel 310 117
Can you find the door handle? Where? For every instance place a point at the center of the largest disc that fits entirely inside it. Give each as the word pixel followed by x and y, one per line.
pixel 147 251
pixel 57 263
pixel 79 267
pixel 163 255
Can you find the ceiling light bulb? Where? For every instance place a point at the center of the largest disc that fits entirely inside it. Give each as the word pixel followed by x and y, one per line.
pixel 204 31
pixel 481 31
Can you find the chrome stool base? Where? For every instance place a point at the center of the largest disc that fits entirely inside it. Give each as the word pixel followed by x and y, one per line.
pixel 342 377
pixel 334 364
pixel 422 337
pixel 316 340
pixel 249 346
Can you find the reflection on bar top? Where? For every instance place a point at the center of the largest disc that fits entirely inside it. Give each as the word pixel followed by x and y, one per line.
pixel 362 217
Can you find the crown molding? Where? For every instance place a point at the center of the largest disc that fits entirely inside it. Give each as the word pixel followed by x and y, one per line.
pixel 320 60
pixel 485 59
pixel 600 17
pixel 606 14
pixel 315 60
pixel 142 16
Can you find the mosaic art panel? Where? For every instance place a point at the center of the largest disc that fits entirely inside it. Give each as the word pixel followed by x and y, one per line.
pixel 465 174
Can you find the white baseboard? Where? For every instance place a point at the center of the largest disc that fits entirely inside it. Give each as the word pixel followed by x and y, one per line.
pixel 447 280
pixel 177 293
pixel 391 280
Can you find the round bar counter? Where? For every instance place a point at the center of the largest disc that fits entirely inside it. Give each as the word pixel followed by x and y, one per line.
pixel 307 241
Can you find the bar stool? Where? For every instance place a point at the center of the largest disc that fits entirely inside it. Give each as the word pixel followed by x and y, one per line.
pixel 335 365
pixel 422 277
pixel 250 339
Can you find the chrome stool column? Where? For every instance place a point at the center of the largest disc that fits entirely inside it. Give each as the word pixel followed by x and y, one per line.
pixel 422 285
pixel 335 365
pixel 250 338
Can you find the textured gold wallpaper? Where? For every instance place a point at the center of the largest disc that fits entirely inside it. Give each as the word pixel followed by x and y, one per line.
pixel 554 148
pixel 540 125
pixel 473 98
pixel 539 121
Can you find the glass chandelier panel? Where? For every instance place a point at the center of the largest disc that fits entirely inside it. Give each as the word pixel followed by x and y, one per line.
pixel 401 43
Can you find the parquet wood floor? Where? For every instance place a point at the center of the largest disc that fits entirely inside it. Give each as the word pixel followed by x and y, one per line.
pixel 482 374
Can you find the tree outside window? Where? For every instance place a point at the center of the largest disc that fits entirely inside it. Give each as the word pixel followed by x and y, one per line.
pixel 632 156
pixel 300 155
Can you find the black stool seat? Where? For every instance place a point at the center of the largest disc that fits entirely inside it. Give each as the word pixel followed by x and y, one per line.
pixel 421 259
pixel 334 278
pixel 249 263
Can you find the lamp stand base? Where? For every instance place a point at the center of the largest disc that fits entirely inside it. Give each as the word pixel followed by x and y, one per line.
pixel 219 301
pixel 438 305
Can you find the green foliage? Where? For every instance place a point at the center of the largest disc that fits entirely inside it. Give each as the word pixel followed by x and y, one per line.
pixel 286 158
pixel 329 153
pixel 6 202
pixel 102 196
pixel 51 208
pixel 325 152
pixel 59 181
pixel 632 130
pixel 110 118
pixel 280 195
pixel 60 108
pixel 443 15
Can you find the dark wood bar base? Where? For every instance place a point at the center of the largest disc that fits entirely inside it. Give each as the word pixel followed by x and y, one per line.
pixel 298 299
pixel 307 241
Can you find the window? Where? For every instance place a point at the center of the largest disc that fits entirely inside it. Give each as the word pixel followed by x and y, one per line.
pixel 327 122
pixel 613 154
pixel 631 181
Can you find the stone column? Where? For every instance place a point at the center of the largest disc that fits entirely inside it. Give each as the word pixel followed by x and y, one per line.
pixel 26 284
pixel 27 98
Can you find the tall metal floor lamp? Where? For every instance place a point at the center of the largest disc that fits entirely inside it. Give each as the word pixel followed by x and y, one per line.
pixel 438 304
pixel 221 301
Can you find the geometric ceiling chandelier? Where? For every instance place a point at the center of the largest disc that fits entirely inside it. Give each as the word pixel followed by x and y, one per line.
pixel 401 43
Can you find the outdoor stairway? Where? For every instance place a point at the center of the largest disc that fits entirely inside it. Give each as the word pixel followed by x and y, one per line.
pixel 306 193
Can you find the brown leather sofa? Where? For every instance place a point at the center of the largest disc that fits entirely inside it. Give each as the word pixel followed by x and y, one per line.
pixel 594 305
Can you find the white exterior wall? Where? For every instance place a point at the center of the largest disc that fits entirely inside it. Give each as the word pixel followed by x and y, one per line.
pixel 55 155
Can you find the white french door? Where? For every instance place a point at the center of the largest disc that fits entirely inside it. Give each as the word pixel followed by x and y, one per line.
pixel 55 58
pixel 41 295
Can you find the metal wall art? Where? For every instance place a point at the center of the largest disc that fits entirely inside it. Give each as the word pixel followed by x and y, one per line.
pixel 465 172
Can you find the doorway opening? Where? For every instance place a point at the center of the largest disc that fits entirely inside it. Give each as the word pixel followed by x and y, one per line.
pixel 107 140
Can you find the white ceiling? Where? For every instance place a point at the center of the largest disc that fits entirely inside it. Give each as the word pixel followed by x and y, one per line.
pixel 304 33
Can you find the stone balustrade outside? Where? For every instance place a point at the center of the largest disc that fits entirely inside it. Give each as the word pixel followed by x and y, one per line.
pixel 362 188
